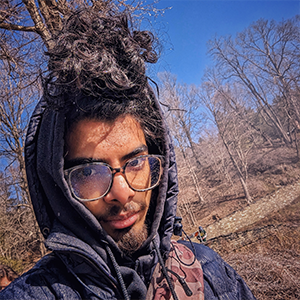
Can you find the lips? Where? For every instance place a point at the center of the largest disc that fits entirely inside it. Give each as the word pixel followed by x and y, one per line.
pixel 121 222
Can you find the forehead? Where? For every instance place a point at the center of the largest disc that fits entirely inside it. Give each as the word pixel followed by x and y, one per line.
pixel 88 136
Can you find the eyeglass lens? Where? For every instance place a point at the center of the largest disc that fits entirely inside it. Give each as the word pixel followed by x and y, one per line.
pixel 93 181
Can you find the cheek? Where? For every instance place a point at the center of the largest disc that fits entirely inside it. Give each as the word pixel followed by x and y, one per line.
pixel 144 201
pixel 96 207
pixel 148 198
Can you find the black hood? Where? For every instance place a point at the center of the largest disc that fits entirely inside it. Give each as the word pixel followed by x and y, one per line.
pixel 53 201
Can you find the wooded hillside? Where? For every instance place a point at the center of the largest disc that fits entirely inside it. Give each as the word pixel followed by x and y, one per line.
pixel 236 135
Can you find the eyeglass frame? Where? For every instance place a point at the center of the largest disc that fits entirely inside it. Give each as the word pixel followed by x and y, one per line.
pixel 114 171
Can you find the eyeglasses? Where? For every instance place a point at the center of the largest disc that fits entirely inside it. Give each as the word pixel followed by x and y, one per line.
pixel 92 181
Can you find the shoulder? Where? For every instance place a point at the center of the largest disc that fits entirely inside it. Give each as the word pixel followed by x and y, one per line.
pixel 44 281
pixel 221 281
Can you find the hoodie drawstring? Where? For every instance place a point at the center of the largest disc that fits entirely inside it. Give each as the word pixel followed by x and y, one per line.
pixel 119 275
pixel 164 270
pixel 184 285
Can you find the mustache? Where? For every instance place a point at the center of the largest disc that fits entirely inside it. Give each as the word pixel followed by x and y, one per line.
pixel 114 210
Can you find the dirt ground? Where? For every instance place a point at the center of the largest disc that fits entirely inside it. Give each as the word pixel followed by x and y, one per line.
pixel 262 242
pixel 254 212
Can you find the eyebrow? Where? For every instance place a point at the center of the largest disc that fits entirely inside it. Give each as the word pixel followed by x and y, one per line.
pixel 85 160
pixel 135 152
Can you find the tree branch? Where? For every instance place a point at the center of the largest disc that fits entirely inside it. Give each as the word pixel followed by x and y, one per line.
pixel 50 12
pixel 17 27
pixel 38 21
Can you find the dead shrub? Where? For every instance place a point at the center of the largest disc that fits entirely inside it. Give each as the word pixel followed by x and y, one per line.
pixel 270 277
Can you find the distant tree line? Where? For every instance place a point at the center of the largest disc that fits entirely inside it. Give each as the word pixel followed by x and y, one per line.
pixel 248 100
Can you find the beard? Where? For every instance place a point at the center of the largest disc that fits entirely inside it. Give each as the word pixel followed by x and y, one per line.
pixel 129 239
pixel 132 240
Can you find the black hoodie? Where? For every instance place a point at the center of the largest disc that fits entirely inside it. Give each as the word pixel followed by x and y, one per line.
pixel 57 210
pixel 85 262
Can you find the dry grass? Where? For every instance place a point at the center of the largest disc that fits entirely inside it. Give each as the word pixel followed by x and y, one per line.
pixel 271 265
pixel 269 276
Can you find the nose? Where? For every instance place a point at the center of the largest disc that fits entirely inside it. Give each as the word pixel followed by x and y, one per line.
pixel 120 190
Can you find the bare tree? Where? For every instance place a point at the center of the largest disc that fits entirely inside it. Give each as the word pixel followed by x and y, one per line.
pixel 265 59
pixel 184 122
pixel 18 90
pixel 181 111
pixel 241 105
pixel 236 140
pixel 19 236
pixel 215 160
pixel 46 16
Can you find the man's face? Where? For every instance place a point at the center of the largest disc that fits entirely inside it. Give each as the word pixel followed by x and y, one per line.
pixel 121 212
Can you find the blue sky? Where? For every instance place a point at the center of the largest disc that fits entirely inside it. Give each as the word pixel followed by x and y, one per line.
pixel 189 24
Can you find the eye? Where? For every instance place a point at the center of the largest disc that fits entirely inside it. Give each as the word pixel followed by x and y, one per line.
pixel 136 163
pixel 85 172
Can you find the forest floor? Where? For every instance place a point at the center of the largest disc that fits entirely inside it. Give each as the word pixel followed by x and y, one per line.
pixel 254 212
pixel 261 241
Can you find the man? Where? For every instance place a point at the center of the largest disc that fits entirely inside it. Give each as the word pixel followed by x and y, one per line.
pixel 7 275
pixel 102 177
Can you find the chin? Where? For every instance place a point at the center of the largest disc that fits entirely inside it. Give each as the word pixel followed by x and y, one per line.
pixel 118 234
pixel 131 239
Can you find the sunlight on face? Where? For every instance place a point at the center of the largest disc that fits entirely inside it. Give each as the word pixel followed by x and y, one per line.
pixel 122 210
